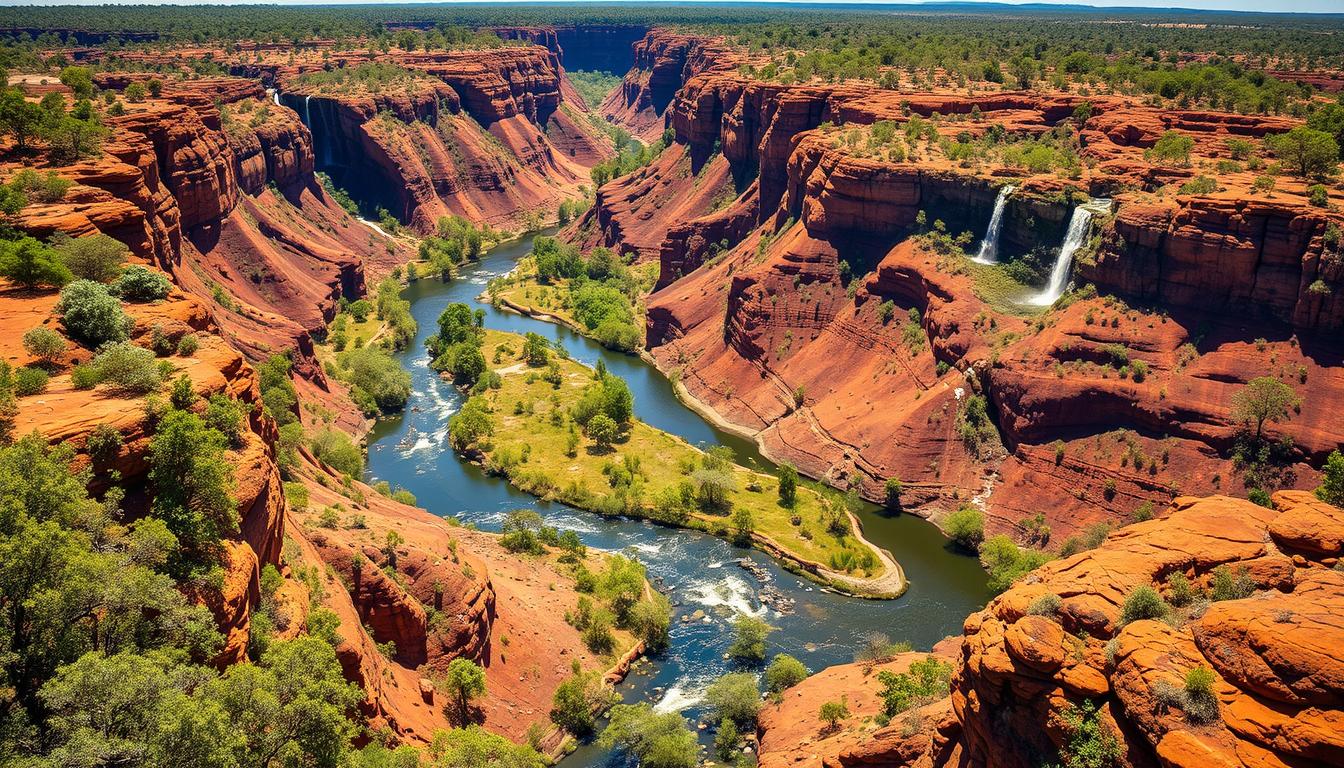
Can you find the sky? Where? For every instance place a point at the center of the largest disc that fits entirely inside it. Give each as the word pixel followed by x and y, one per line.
pixel 1273 6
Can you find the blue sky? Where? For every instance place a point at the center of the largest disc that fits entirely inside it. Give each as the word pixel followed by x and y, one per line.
pixel 1273 6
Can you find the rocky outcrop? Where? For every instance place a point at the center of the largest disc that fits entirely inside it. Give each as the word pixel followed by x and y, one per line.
pixel 64 414
pixel 1056 642
pixel 1259 256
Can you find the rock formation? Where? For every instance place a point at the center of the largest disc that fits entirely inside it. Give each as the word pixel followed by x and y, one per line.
pixel 1057 642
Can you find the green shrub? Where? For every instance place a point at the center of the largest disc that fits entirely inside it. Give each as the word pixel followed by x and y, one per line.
pixel 43 343
pixel 1006 562
pixel 84 376
pixel 91 314
pixel 97 257
pixel 927 680
pixel 749 636
pixel 30 381
pixel 1318 195
pixel 1332 480
pixel 129 368
pixel 1200 185
pixel 225 414
pixel 103 443
pixel 139 283
pixel 31 264
pixel 1201 704
pixel 187 345
pixel 378 382
pixel 735 697
pixel 966 528
pixel 783 673
pixel 1144 603
pixel 336 449
pixel 1227 584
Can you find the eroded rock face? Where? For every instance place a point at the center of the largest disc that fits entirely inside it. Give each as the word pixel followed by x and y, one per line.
pixel 490 135
pixel 1275 654
pixel 761 298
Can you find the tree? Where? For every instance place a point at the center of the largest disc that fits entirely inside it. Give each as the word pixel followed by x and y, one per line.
pixel 335 448
pixel 1332 480
pixel 470 424
pixel 1263 400
pixel 520 529
pixel 19 117
pixel 535 349
pixel 655 740
pixel 76 135
pixel 602 430
pixel 783 673
pixel 891 493
pixel 92 314
pixel 193 484
pixel 135 92
pixel 788 484
pixel 832 712
pixel 750 634
pixel 43 343
pixel 622 584
pixel 1329 119
pixel 79 80
pixel 1172 146
pixel 1006 562
pixel 97 257
pixel 464 683
pixel 735 697
pixel 1310 153
pixel 966 528
pixel 475 747
pixel 29 263
pixel 577 699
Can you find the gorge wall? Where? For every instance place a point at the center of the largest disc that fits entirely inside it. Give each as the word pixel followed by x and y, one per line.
pixel 795 300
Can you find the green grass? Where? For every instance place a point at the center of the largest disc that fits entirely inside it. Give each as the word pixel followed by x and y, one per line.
pixel 530 448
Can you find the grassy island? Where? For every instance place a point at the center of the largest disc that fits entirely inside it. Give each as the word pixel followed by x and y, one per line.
pixel 562 431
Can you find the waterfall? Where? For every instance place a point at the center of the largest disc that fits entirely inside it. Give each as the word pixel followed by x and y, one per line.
pixel 1080 226
pixel 989 247
pixel 307 116
pixel 275 96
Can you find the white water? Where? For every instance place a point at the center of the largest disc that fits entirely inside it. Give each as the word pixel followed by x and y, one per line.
pixel 989 247
pixel 375 227
pixel 307 115
pixel 275 96
pixel 1080 226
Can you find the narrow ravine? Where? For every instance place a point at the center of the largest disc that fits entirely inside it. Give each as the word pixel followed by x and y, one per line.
pixel 697 572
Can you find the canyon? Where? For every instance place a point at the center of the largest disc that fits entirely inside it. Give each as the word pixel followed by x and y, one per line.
pixel 753 211
pixel 813 304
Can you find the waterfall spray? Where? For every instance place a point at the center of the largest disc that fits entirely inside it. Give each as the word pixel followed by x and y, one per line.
pixel 1080 226
pixel 989 247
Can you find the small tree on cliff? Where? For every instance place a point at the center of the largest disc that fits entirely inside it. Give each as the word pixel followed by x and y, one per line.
pixel 788 484
pixel 1332 482
pixel 465 682
pixel 1310 153
pixel 1263 399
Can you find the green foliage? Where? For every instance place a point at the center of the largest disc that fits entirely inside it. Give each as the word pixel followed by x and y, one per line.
pixel 1229 584
pixel 1332 480
pixel 338 450
pixel 1006 562
pixel 1172 148
pixel 1144 603
pixel 749 638
pixel 1309 153
pixel 193 484
pixel 97 257
pixel 575 701
pixel 654 740
pixel 277 391
pixel 1201 702
pixel 463 683
pixel 736 698
pixel 1263 400
pixel 593 86
pixel 927 680
pixel 92 314
pixel 1091 742
pixel 475 747
pixel 974 426
pixel 1199 185
pixel 30 381
pixel 832 712
pixel 139 283
pixel 31 264
pixel 378 382
pixel 520 529
pixel 128 368
pixel 783 673
pixel 43 343
pixel 788 484
pixel 611 397
pixel 966 528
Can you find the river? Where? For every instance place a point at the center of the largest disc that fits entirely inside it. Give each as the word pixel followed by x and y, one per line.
pixel 696 571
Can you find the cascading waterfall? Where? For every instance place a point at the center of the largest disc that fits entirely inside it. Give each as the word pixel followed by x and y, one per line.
pixel 307 116
pixel 1080 226
pixel 989 247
